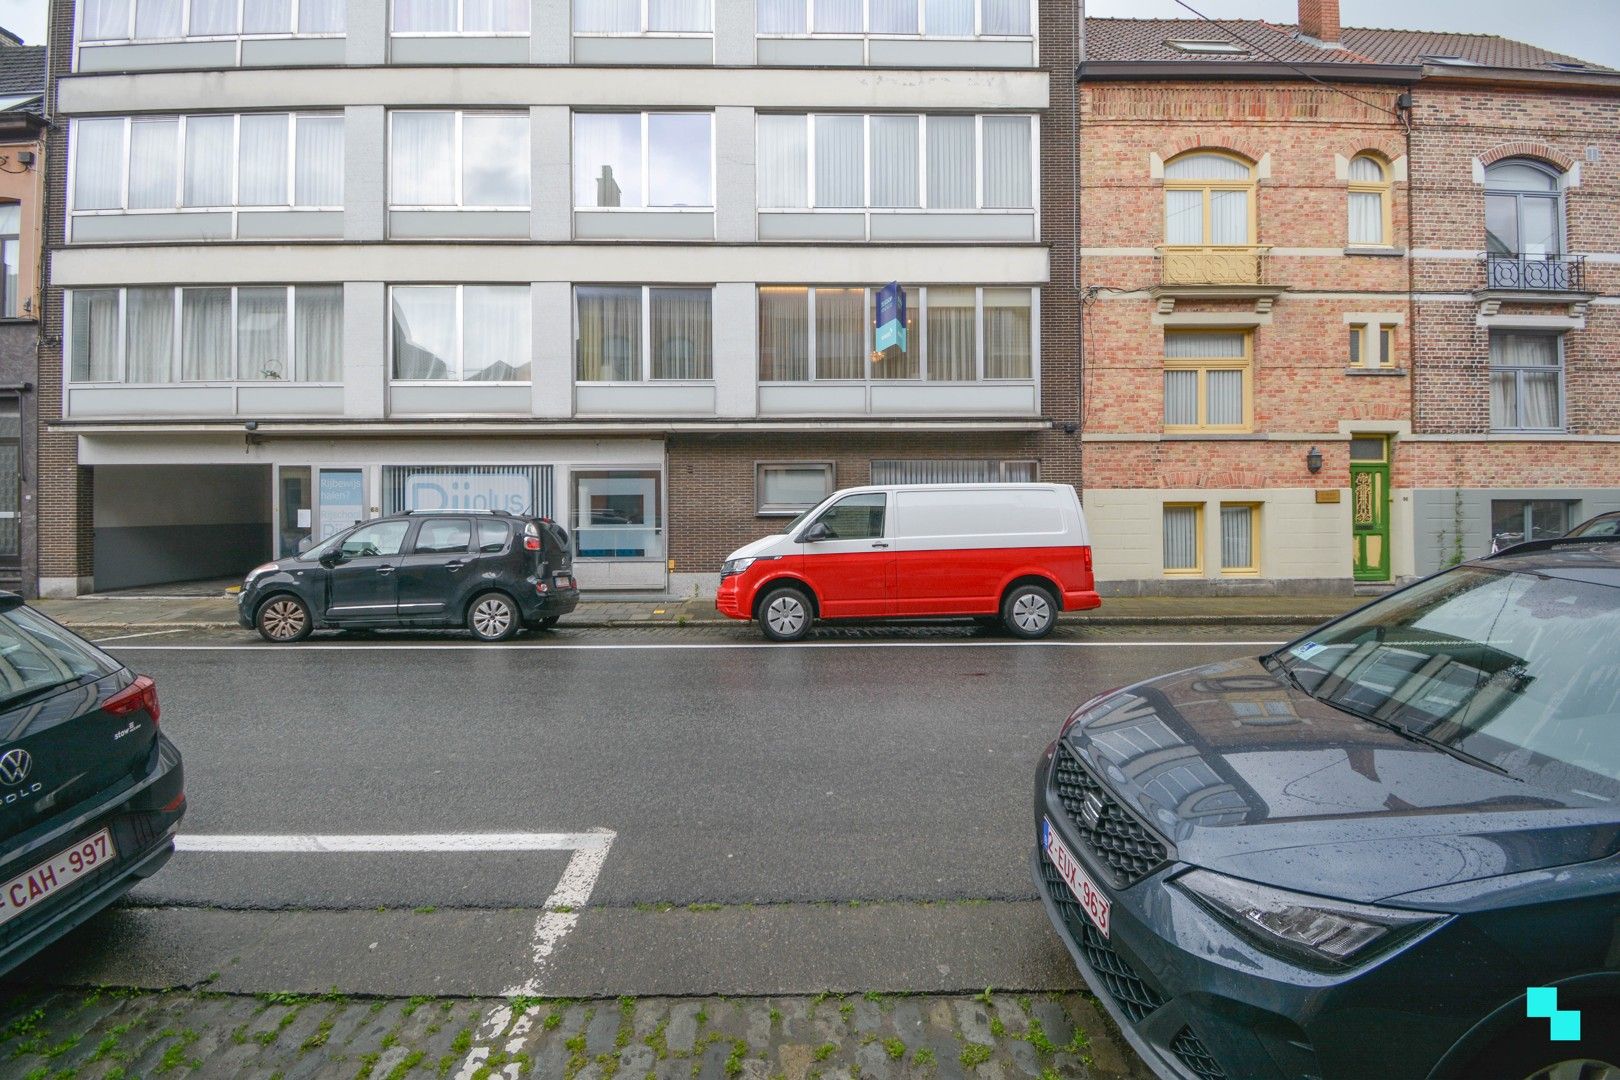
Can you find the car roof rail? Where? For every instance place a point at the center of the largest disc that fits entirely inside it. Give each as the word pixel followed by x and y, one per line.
pixel 490 513
pixel 1529 547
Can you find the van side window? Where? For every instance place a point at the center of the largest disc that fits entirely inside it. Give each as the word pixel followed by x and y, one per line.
pixel 855 517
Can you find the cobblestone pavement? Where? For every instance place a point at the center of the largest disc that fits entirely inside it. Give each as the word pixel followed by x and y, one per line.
pixel 119 1035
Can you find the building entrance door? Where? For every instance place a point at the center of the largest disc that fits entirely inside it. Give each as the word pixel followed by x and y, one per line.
pixel 1369 506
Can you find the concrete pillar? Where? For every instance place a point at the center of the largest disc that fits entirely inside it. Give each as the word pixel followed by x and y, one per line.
pixel 365 349
pixel 736 336
pixel 553 349
pixel 366 34
pixel 365 173
pixel 551 176
pixel 736 194
pixel 735 28
pixel 550 33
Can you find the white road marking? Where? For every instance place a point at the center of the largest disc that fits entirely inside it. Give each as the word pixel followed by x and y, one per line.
pixel 402 842
pixel 622 647
pixel 148 633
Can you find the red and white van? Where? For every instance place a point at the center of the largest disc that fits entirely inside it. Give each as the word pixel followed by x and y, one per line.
pixel 1014 551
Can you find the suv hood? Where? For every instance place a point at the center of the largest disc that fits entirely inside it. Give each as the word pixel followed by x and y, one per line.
pixel 1248 776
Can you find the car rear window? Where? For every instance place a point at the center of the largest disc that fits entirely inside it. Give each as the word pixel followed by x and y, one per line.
pixel 492 534
pixel 37 655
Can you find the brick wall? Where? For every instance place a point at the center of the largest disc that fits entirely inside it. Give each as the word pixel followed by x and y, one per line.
pixel 1060 308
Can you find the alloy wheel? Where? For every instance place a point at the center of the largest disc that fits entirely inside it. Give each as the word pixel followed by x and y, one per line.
pixel 1577 1069
pixel 284 619
pixel 491 617
pixel 785 615
pixel 1032 612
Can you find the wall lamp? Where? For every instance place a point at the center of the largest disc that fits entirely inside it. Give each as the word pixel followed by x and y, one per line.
pixel 1313 460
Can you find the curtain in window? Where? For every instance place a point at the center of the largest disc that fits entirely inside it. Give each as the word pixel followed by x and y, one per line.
pixel 1206 167
pixel 1008 341
pixel 679 159
pixel 679 16
pixel 1180 398
pixel 894 161
pixel 318 332
pixel 1229 217
pixel 682 334
pixel 1183 216
pixel 840 160
pixel 496 338
pixel 784 334
pixel 318 177
pixel 782 16
pixel 158 18
pixel 609 345
pixel 423 159
pixel 98 165
pixel 952 339
pixel 205 335
pixel 212 18
pixel 95 335
pixel 784 161
pixel 1180 538
pixel 1207 345
pixel 494 160
pixel 105 20
pixel 154 147
pixel 1525 388
pixel 1225 406
pixel 1365 170
pixel 262 161
pixel 208 160
pixel 607 16
pixel 267 16
pixel 841 334
pixel 149 335
pixel 1237 537
pixel 894 16
pixel 950 163
pixel 261 335
pixel 1366 218
pixel 906 365
pixel 948 18
pixel 1006 17
pixel 425 16
pixel 494 16
pixel 425 333
pixel 838 17
pixel 607 159
pixel 1007 180
pixel 321 16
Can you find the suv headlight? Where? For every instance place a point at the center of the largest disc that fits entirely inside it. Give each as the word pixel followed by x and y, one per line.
pixel 1335 933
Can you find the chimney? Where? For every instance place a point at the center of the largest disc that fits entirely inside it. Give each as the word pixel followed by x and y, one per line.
pixel 1319 19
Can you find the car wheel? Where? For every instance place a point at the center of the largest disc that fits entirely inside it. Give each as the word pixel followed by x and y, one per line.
pixel 1524 1052
pixel 492 617
pixel 284 619
pixel 1029 612
pixel 784 614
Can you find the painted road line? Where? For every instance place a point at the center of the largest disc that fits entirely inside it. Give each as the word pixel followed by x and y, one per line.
pixel 579 843
pixel 631 647
pixel 148 633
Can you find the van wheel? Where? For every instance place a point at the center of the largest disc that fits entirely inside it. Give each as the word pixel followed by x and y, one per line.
pixel 784 614
pixel 284 619
pixel 492 617
pixel 1029 612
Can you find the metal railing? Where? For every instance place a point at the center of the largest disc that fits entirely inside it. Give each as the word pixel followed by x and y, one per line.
pixel 1534 273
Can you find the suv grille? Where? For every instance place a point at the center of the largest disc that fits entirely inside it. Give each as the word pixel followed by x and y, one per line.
pixel 1190 1049
pixel 1134 996
pixel 1128 849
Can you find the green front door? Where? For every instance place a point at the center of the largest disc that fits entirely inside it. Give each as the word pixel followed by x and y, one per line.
pixel 1369 506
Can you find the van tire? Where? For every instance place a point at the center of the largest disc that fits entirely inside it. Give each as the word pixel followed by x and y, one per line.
pixel 1029 611
pixel 786 614
pixel 492 616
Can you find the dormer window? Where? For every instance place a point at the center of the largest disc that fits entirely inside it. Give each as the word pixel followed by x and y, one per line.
pixel 1209 47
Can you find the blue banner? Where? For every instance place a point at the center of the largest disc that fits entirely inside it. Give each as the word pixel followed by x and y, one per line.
pixel 889 318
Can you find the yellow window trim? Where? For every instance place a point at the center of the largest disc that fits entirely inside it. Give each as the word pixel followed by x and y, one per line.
pixel 1254 541
pixel 1370 356
pixel 1198 539
pixel 1380 188
pixel 1209 186
pixel 1203 366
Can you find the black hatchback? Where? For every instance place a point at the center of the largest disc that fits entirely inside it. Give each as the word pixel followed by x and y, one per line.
pixel 490 572
pixel 90 790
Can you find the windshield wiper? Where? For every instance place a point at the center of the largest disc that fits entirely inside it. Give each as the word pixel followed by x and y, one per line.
pixel 1288 670
pixel 1420 737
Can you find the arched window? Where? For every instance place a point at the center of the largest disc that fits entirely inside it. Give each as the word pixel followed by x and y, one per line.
pixel 1524 213
pixel 1208 201
pixel 1369 202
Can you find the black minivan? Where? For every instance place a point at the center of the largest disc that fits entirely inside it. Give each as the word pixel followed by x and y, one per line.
pixel 91 791
pixel 491 572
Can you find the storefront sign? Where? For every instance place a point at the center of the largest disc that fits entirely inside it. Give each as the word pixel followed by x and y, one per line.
pixel 511 492
pixel 343 500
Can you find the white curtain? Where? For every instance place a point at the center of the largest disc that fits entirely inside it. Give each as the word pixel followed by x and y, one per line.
pixel 425 16
pixel 262 160
pixel 840 160
pixel 1504 399
pixel 1206 167
pixel 680 159
pixel 841 334
pixel 494 160
pixel 261 335
pixel 1229 217
pixel 894 16
pixel 1526 381
pixel 212 18
pixel 679 16
pixel 205 334
pixel 1180 398
pixel 1364 169
pixel 158 18
pixel 149 335
pixel 838 17
pixel 1210 345
pixel 425 332
pixel 609 345
pixel 607 16
pixel 318 333
pixel 98 164
pixel 950 163
pixel 782 16
pixel 1008 334
pixel 1007 167
pixel 208 160
pixel 948 18
pixel 894 161
pixel 321 16
pixel 682 333
pixel 1180 537
pixel 1237 537
pixel 1366 218
pixel 1225 406
pixel 607 159
pixel 497 339
pixel 1008 18
pixel 1183 216
pixel 784 334
pixel 784 161
pixel 267 16
pixel 154 150
pixel 494 16
pixel 95 335
pixel 952 338
pixel 105 20
pixel 318 168
pixel 423 159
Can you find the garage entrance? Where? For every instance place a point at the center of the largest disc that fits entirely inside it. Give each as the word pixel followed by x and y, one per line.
pixel 162 524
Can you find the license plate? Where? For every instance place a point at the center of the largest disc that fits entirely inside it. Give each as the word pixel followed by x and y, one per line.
pixel 1086 894
pixel 23 892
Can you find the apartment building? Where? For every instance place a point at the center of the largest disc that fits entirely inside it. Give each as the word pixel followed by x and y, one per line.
pixel 611 261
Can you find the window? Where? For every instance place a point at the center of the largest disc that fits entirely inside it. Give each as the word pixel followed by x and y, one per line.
pixel 855 517
pixel 618 515
pixel 956 333
pixel 1184 538
pixel 462 333
pixel 1369 351
pixel 145 20
pixel 157 336
pixel 1240 538
pixel 643 17
pixel 1369 202
pixel 461 16
pixel 1527 380
pixel 459 159
pixel 1514 521
pixel 10 260
pixel 493 535
pixel 1207 46
pixel 879 162
pixel 643 160
pixel 953 471
pixel 1206 381
pixel 1208 201
pixel 924 18
pixel 640 333
pixel 1524 226
pixel 443 536
pixel 789 489
pixel 382 539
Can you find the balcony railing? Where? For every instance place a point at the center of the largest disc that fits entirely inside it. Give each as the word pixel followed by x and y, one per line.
pixel 1223 265
pixel 1535 273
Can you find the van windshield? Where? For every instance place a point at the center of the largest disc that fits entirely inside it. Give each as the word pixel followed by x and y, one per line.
pixel 796 522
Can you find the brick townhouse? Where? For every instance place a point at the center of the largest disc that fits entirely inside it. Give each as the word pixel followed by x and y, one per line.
pixel 609 260
pixel 1348 299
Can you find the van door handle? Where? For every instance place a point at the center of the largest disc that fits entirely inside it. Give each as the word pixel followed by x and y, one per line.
pixel 880 544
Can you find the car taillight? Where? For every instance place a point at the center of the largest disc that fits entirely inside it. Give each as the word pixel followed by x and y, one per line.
pixel 531 543
pixel 140 695
pixel 541 588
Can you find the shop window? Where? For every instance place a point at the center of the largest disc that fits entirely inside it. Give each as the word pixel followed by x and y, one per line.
pixel 618 515
pixel 1514 521
pixel 1184 539
pixel 785 489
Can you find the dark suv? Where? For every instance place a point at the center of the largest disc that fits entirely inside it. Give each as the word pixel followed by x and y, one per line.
pixel 90 791
pixel 490 572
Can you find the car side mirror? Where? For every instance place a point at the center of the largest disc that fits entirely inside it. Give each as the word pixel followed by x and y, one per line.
pixel 818 531
pixel 332 558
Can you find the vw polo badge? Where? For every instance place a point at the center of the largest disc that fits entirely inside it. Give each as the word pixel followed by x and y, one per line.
pixel 15 765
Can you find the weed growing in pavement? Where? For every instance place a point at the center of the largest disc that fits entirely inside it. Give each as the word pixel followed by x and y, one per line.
pixel 1025 1004
pixel 413 1004
pixel 776 1016
pixel 702 1017
pixel 847 1011
pixel 399 1071
pixel 974 1055
pixel 175 1056
pixel 984 998
pixel 734 1061
pixel 825 1051
pixel 923 1057
pixel 463 1041
pixel 997 1028
pixel 895 1047
pixel 446 1063
pixel 1037 1037
pixel 553 1019
pixel 368 1062
pixel 658 1041
pixel 704 907
pixel 425 909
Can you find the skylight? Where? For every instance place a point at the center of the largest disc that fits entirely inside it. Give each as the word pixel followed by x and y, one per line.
pixel 1450 60
pixel 1226 48
pixel 1567 65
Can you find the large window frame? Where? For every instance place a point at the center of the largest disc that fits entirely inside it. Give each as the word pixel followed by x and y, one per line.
pixel 644 25
pixel 658 530
pixel 645 162
pixel 1208 187
pixel 1203 366
pixel 1381 189
pixel 461 25
pixel 1521 373
pixel 458 163
pixel 765 508
pixel 83 37
pixel 647 344
pixel 979 33
pixel 460 373
pixel 1497 190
